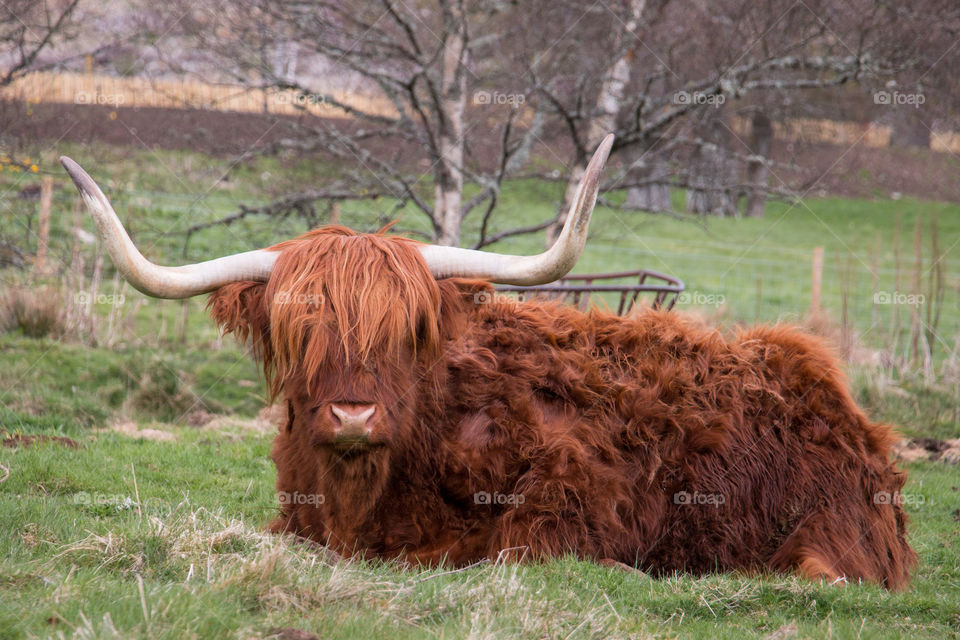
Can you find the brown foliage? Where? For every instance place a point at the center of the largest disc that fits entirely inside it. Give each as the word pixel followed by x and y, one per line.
pixel 534 429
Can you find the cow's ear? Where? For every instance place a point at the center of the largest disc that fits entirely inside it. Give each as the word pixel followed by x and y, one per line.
pixel 240 308
pixel 458 300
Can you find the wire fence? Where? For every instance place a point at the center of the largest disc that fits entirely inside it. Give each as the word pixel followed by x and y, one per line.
pixel 884 298
pixel 882 301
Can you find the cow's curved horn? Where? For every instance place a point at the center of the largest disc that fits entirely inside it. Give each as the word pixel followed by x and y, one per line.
pixel 190 280
pixel 155 280
pixel 529 270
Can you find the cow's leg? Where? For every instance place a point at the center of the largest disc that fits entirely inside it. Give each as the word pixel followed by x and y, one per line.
pixel 529 534
pixel 537 536
pixel 800 555
pixel 453 548
pixel 286 522
pixel 864 545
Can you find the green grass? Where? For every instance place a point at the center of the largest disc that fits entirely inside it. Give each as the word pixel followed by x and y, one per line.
pixel 740 270
pixel 83 527
pixel 134 537
pixel 68 384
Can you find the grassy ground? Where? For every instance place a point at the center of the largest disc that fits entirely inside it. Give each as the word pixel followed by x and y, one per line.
pixel 129 537
pixel 737 270
pixel 158 532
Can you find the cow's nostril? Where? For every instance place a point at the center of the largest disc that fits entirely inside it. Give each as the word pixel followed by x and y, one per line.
pixel 353 420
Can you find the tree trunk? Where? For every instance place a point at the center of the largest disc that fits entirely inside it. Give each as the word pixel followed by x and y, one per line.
pixel 576 175
pixel 654 198
pixel 910 127
pixel 696 192
pixel 605 115
pixel 710 173
pixel 448 175
pixel 761 139
pixel 708 195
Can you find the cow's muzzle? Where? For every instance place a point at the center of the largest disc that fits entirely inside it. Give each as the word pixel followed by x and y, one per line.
pixel 353 424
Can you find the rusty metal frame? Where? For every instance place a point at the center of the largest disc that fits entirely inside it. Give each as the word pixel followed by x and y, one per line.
pixel 576 289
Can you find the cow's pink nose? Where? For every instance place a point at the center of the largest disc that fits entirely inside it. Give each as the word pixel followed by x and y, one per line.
pixel 353 421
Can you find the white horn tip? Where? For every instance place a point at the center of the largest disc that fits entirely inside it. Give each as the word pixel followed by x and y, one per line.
pixel 603 150
pixel 80 177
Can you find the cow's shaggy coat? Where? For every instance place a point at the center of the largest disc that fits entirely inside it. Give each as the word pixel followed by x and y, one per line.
pixel 542 430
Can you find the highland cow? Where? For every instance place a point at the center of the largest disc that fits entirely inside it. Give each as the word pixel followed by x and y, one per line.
pixel 434 423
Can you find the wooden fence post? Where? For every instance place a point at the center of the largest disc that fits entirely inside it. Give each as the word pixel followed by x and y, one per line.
pixel 43 233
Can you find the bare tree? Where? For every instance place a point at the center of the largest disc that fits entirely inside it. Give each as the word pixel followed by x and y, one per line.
pixel 600 120
pixel 27 29
pixel 475 87
pixel 416 56
pixel 449 114
pixel 694 65
pixel 925 90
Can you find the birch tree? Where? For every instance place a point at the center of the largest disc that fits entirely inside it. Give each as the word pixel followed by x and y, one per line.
pixel 681 72
pixel 417 56
pixel 601 120
pixel 479 89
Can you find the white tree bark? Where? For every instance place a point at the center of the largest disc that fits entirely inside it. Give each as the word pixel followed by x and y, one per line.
pixel 448 173
pixel 603 120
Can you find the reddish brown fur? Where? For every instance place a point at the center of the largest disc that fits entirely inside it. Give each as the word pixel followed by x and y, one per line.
pixel 600 423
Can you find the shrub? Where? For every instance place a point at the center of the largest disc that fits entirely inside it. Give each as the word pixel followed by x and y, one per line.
pixel 35 312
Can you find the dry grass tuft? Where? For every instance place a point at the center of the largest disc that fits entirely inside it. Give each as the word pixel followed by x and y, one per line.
pixel 284 576
pixel 34 312
pixel 132 430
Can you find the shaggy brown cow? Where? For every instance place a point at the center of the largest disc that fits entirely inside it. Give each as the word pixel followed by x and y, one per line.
pixel 432 422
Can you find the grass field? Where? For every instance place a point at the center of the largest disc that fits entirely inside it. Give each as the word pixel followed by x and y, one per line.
pixel 134 538
pixel 158 532
pixel 737 270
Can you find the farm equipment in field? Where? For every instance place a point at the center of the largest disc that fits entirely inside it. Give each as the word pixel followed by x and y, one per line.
pixel 622 288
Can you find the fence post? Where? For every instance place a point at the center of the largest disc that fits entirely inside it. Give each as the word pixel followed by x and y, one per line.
pixel 817 281
pixel 43 234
